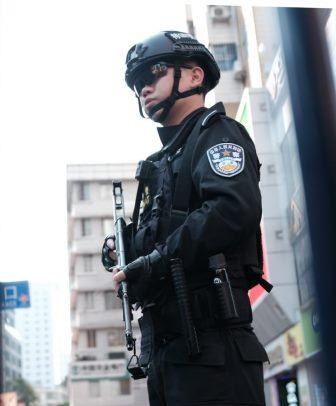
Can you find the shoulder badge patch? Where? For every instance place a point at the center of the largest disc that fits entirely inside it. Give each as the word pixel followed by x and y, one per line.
pixel 226 159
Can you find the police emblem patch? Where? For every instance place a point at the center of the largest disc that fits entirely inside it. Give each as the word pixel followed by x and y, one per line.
pixel 226 159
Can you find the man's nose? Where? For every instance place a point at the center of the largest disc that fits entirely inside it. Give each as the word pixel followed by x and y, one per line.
pixel 146 90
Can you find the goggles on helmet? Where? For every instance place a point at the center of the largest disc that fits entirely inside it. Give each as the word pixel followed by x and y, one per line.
pixel 152 73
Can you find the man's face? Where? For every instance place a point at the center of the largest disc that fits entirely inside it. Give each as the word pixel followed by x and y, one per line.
pixel 160 88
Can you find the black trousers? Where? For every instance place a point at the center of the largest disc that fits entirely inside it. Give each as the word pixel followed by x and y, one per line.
pixel 229 370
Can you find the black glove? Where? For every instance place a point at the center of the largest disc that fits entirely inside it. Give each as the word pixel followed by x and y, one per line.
pixel 107 261
pixel 142 272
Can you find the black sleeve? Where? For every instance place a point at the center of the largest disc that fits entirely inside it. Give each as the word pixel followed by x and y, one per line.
pixel 231 203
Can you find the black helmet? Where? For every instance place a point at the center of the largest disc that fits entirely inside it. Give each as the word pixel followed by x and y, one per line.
pixel 171 46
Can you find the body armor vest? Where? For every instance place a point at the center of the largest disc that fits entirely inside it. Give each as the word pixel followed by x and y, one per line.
pixel 163 209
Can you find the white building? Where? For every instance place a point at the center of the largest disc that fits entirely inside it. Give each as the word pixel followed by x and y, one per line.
pixel 218 27
pixel 226 45
pixel 52 397
pixel 35 325
pixel 98 374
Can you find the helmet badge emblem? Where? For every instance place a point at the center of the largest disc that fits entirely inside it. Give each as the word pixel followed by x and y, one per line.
pixel 140 50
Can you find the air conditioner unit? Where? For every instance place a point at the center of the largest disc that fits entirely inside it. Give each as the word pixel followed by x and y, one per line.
pixel 220 14
pixel 239 72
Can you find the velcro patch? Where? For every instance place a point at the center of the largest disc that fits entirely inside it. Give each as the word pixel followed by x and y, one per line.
pixel 226 159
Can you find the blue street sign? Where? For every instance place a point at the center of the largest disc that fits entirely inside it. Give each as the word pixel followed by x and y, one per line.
pixel 14 295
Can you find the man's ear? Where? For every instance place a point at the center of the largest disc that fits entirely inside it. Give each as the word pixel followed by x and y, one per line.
pixel 197 76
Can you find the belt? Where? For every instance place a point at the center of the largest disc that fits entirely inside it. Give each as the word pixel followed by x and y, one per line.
pixel 202 279
pixel 205 313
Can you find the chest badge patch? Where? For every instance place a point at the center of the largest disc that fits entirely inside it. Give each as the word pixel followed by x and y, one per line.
pixel 226 159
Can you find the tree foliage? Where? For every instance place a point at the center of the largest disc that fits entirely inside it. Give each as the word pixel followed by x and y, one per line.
pixel 25 392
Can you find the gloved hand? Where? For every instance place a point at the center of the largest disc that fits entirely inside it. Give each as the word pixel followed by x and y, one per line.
pixel 145 267
pixel 140 273
pixel 109 256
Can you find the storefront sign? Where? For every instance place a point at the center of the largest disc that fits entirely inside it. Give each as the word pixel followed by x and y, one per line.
pixel 276 354
pixel 276 78
pixel 311 327
pixel 294 345
pixel 103 369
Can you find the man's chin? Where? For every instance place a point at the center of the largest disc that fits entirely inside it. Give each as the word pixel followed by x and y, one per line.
pixel 156 116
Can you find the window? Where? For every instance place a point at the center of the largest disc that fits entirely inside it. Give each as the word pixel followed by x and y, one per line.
pixel 111 300
pixel 116 355
pixel 115 337
pixel 279 234
pixel 125 387
pixel 105 190
pixel 87 261
pixel 271 169
pixel 94 389
pixel 89 300
pixel 225 55
pixel 83 191
pixel 108 226
pixel 91 338
pixel 86 227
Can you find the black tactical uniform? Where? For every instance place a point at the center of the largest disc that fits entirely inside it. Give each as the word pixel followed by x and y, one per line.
pixel 210 162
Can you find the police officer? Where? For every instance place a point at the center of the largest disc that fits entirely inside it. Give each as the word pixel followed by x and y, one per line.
pixel 199 203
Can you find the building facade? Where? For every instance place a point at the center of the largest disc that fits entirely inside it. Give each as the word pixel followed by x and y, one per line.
pixel 35 325
pixel 11 361
pixel 286 321
pixel 225 42
pixel 219 28
pixel 98 374
pixel 52 397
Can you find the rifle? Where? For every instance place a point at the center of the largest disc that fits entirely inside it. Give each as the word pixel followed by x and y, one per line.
pixel 136 371
pixel 119 225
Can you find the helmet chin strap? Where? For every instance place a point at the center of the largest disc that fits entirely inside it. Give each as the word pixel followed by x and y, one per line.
pixel 168 103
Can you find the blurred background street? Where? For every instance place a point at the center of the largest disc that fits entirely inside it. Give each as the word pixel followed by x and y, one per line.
pixel 69 127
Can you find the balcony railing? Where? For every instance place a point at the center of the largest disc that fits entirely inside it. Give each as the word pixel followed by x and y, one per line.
pixel 98 319
pixel 95 281
pixel 98 208
pixel 87 245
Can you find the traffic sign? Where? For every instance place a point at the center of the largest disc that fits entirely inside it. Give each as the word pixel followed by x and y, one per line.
pixel 14 295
